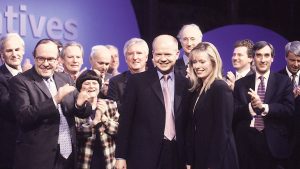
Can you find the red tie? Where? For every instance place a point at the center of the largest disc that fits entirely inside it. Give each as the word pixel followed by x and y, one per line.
pixel 169 123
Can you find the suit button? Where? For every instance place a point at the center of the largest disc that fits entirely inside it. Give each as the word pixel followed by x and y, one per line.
pixel 54 150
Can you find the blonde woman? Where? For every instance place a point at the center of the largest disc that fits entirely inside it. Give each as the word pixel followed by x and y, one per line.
pixel 211 142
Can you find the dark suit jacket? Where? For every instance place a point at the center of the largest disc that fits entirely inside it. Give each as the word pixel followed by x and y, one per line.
pixel 180 67
pixel 280 99
pixel 295 126
pixel 7 122
pixel 38 119
pixel 142 120
pixel 214 145
pixel 117 86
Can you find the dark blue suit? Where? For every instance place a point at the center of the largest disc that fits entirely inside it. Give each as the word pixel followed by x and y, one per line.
pixel 38 119
pixel 295 126
pixel 117 86
pixel 142 120
pixel 8 129
pixel 273 141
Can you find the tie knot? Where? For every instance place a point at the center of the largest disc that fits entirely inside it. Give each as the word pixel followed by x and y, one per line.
pixel 166 77
pixel 262 78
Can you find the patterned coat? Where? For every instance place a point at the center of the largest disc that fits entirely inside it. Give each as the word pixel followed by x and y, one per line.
pixel 86 134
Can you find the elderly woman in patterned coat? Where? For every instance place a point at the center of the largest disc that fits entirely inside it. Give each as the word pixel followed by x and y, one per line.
pixel 96 142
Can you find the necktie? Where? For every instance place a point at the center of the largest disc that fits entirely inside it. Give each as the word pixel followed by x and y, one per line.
pixel 169 122
pixel 64 137
pixel 261 90
pixel 294 80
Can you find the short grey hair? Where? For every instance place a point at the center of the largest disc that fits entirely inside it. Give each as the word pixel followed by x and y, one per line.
pixel 7 36
pixel 72 43
pixel 98 48
pixel 189 25
pixel 136 41
pixel 293 47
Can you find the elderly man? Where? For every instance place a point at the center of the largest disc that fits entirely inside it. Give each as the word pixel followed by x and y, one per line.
pixel 115 61
pixel 72 58
pixel 136 55
pixel 100 59
pixel 153 118
pixel 12 51
pixel 189 36
pixel 44 107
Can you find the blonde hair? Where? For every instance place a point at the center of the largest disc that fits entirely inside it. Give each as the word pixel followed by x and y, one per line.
pixel 211 51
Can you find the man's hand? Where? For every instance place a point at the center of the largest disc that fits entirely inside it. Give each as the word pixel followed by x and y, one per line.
pixel 230 79
pixel 121 164
pixel 62 92
pixel 296 91
pixel 256 103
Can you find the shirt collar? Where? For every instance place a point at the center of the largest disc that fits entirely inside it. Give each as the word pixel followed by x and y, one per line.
pixel 242 74
pixel 266 75
pixel 185 59
pixel 171 74
pixel 13 71
pixel 290 74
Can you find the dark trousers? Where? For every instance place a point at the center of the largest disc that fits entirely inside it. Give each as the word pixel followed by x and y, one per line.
pixel 254 152
pixel 169 156
pixel 62 163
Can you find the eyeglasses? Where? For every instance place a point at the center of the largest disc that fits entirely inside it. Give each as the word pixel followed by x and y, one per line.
pixel 42 60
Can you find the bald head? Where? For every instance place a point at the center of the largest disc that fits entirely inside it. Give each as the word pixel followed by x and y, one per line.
pixel 165 53
pixel 165 40
pixel 100 59
pixel 189 37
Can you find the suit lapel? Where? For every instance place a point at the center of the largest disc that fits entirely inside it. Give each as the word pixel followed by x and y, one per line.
pixel 270 88
pixel 156 85
pixel 179 86
pixel 39 82
pixel 6 72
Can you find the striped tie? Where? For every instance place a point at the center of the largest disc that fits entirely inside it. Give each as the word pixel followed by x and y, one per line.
pixel 261 90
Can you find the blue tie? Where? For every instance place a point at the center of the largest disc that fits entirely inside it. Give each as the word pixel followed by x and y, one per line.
pixel 64 137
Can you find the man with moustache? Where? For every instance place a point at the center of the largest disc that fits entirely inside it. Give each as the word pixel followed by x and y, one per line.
pixel 136 55
pixel 12 49
pixel 44 107
pixel 153 117
pixel 189 36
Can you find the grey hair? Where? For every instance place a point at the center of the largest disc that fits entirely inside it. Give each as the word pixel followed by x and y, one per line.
pixel 293 47
pixel 135 41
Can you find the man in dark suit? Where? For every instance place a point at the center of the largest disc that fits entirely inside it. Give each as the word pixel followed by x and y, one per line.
pixel 153 117
pixel 189 36
pixel 292 57
pixel 44 106
pixel 241 61
pixel 136 55
pixel 12 52
pixel 264 104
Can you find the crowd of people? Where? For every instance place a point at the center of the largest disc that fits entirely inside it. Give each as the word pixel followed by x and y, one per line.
pixel 181 113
